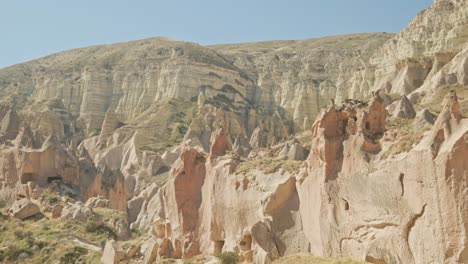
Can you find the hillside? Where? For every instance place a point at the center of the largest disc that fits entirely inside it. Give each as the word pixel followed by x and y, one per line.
pixel 163 151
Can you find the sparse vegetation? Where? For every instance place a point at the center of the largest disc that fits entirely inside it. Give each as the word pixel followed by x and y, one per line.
pixel 52 198
pixel 403 124
pixel 228 257
pixel 46 240
pixel 74 255
pixel 406 136
pixel 269 165
pixel 435 102
pixel 304 259
pixel 162 126
pixel 2 203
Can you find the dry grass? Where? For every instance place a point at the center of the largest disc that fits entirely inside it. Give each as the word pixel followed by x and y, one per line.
pixel 314 260
pixel 405 136
pixel 269 165
pixel 435 102
pixel 403 124
pixel 162 126
pixel 47 240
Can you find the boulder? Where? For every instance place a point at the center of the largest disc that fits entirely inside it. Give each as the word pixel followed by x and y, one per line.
pixel 123 230
pixel 133 251
pixel 424 118
pixel 404 109
pixel 113 253
pixel 97 202
pixel 23 208
pixel 56 211
pixel 150 251
pixel 77 211
pixel 292 151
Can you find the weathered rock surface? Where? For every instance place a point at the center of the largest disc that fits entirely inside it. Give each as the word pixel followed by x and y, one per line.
pixel 404 109
pixel 424 118
pixel 23 209
pixel 77 211
pixel 113 253
pixel 197 147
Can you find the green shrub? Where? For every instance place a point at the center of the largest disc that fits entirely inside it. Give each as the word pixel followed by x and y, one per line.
pixel 75 255
pixel 100 229
pixel 19 234
pixel 11 254
pixel 228 257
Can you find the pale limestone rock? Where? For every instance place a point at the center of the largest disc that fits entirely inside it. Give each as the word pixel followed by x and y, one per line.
pixel 9 125
pixel 97 202
pixel 113 253
pixel 151 252
pixel 152 208
pixel 23 208
pixel 111 122
pixel 201 99
pixel 77 212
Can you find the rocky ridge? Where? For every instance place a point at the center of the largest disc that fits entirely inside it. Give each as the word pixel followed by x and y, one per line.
pixel 159 149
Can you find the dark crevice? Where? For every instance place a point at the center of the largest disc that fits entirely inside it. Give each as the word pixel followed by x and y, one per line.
pixel 401 178
pixel 55 178
pixel 346 204
pixel 412 221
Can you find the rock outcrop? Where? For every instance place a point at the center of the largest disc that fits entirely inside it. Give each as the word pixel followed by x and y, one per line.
pixel 404 109
pixel 23 209
pixel 198 149
pixel 113 253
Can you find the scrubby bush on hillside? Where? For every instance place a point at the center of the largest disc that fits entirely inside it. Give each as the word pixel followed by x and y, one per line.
pixel 228 257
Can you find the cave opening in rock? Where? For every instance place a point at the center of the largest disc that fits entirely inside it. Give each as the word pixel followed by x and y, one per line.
pixel 53 178
pixel 345 204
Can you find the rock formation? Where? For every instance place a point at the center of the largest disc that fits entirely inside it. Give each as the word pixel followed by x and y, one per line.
pixel 404 109
pixel 263 149
pixel 23 209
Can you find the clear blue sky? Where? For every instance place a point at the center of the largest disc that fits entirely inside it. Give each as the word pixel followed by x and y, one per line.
pixel 35 28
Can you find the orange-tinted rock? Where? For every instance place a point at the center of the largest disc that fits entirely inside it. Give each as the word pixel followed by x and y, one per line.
pixel 328 133
pixel 220 144
pixel 165 248
pixel 188 175
pixel 110 185
pixel 159 230
pixel 57 211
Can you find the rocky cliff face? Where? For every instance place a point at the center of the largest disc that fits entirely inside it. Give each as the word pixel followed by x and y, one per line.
pixel 299 76
pixel 346 146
